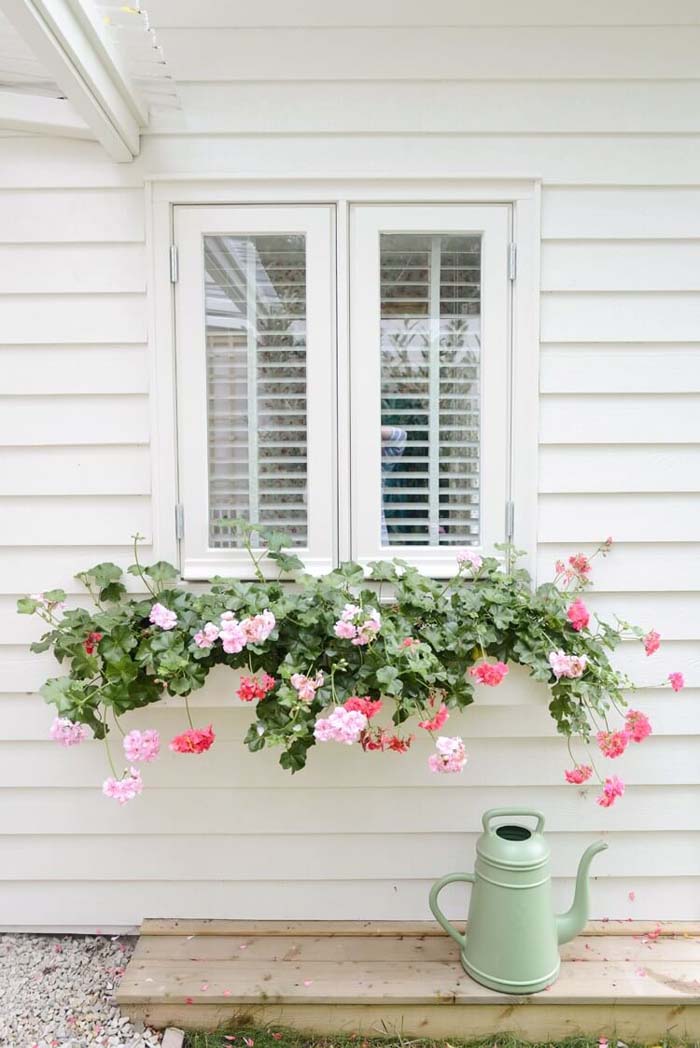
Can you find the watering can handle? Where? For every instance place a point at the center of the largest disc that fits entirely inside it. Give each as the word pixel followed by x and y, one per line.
pixel 496 813
pixel 437 912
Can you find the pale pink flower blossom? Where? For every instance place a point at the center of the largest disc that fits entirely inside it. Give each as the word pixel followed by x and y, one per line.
pixel 612 789
pixel 306 687
pixel 564 665
pixel 67 733
pixel 468 556
pixel 358 626
pixel 232 634
pixel 142 745
pixel 450 755
pixel 344 629
pixel 163 617
pixel 205 637
pixel 124 789
pixel 48 605
pixel 578 775
pixel 342 725
pixel 613 743
pixel 651 642
pixel 259 627
pixel 677 681
pixel 637 725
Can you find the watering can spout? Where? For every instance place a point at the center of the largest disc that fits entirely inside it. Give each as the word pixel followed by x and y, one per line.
pixel 573 921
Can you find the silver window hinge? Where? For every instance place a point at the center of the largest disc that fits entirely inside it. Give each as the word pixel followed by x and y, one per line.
pixel 179 521
pixel 512 261
pixel 510 521
pixel 174 264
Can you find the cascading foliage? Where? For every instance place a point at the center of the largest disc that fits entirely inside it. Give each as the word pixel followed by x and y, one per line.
pixel 323 655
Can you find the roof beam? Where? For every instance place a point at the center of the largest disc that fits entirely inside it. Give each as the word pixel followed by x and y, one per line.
pixel 67 37
pixel 37 114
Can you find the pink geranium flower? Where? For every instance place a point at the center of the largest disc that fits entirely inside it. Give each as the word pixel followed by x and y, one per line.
pixel 580 774
pixel 194 740
pixel 564 665
pixel 651 642
pixel 163 617
pixel 450 755
pixel 67 733
pixel 437 721
pixel 577 614
pixel 306 687
pixel 468 556
pixel 491 673
pixel 258 628
pixel 613 743
pixel 91 641
pixel 142 745
pixel 612 789
pixel 637 725
pixel 370 707
pixel 251 688
pixel 358 626
pixel 205 637
pixel 341 725
pixel 124 789
pixel 233 637
pixel 677 681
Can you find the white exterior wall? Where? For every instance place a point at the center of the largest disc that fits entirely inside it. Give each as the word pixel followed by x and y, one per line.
pixel 606 115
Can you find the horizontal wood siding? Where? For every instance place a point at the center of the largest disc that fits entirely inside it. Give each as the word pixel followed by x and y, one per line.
pixel 598 101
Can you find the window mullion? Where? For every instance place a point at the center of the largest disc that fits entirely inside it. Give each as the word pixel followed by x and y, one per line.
pixel 434 395
pixel 252 376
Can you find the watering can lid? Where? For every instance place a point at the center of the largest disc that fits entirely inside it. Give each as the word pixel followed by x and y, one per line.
pixel 511 842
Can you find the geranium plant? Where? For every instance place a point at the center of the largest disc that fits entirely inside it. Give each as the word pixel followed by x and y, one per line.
pixel 365 657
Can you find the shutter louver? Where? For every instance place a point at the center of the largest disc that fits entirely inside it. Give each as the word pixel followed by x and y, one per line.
pixel 430 389
pixel 256 383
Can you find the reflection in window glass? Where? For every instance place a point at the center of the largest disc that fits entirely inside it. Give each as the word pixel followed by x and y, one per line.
pixel 430 363
pixel 256 383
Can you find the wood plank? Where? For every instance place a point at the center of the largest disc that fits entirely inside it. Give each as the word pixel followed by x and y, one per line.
pixel 668 567
pixel 611 368
pixel 52 269
pixel 431 53
pixel 54 370
pixel 73 521
pixel 609 468
pixel 235 13
pixel 73 420
pixel 32 570
pixel 629 419
pixel 629 517
pixel 638 1022
pixel 72 319
pixel 430 946
pixel 612 213
pixel 107 470
pixel 620 316
pixel 64 215
pixel 627 265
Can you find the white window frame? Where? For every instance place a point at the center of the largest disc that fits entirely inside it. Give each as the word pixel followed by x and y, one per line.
pixel 492 223
pixel 191 225
pixel 163 194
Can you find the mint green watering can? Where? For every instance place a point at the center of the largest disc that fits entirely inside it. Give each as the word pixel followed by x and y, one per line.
pixel 513 935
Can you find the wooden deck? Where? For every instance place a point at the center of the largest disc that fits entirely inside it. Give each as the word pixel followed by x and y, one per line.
pixel 405 978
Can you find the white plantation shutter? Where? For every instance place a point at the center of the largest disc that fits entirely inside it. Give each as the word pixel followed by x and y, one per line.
pixel 429 352
pixel 254 313
pixel 430 401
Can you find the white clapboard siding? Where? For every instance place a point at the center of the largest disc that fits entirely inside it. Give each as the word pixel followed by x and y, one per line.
pixel 50 216
pixel 88 470
pixel 53 370
pixel 431 53
pixel 73 521
pixel 609 368
pixel 458 106
pixel 636 567
pixel 72 318
pixel 71 268
pixel 619 467
pixel 234 13
pixel 87 902
pixel 630 518
pixel 621 265
pixel 620 316
pixel 73 420
pixel 27 570
pixel 620 213
pixel 630 419
pixel 320 856
pixel 44 163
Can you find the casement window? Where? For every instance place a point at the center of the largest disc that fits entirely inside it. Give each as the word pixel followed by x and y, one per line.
pixel 397 446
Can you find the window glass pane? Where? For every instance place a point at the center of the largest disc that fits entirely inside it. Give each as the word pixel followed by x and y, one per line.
pixel 430 364
pixel 256 383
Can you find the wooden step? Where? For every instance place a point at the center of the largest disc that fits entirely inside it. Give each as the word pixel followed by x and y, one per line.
pixel 389 977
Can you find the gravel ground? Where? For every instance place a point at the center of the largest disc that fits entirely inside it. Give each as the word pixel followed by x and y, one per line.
pixel 56 992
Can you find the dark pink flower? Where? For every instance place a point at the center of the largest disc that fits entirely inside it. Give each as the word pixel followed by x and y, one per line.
pixel 437 721
pixel 577 614
pixel 90 643
pixel 194 740
pixel 613 743
pixel 253 688
pixel 370 707
pixel 677 681
pixel 491 673
pixel 651 642
pixel 580 774
pixel 637 725
pixel 612 789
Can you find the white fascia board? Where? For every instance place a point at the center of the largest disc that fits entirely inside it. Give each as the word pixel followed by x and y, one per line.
pixel 67 38
pixel 36 114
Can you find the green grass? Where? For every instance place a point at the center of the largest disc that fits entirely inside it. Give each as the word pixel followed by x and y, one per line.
pixel 279 1037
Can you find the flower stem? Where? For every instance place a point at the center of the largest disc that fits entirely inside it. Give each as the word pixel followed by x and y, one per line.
pixel 187 710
